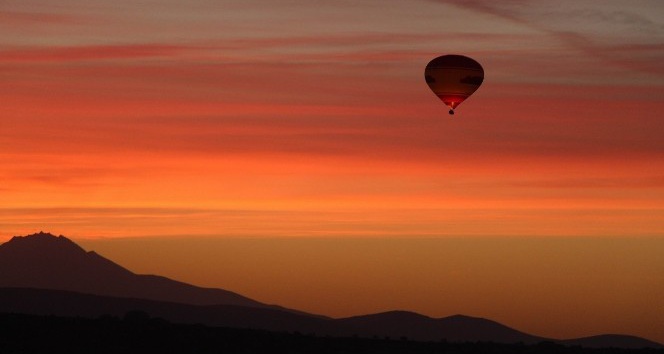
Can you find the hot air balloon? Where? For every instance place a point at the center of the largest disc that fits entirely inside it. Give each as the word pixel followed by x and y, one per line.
pixel 453 78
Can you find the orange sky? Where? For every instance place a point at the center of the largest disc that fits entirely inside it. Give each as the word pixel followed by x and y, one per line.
pixel 228 120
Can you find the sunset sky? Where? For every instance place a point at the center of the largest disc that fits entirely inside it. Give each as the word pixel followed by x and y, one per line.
pixel 291 151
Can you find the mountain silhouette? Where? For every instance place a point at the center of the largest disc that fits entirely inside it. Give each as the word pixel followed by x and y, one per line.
pixel 612 340
pixel 72 304
pixel 456 328
pixel 43 274
pixel 45 261
pixel 396 324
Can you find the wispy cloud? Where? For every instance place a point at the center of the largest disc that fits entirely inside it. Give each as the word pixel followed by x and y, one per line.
pixel 32 18
pixel 360 47
pixel 571 28
pixel 95 52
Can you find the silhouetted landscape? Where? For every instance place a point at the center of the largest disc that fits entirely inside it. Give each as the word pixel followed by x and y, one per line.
pixel 136 332
pixel 54 291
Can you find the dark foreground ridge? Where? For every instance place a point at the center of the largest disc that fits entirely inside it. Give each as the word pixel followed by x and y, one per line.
pixel 137 332
pixel 43 274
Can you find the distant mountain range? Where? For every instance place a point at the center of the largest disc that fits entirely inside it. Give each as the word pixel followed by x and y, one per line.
pixel 45 274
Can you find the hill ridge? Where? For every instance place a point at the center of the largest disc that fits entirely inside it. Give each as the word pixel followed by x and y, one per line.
pixel 43 260
pixel 62 278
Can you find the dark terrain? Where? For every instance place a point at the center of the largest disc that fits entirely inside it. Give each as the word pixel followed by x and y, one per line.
pixel 53 290
pixel 136 332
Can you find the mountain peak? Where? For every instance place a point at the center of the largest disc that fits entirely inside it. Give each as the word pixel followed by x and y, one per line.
pixel 43 234
pixel 40 236
pixel 42 241
pixel 45 261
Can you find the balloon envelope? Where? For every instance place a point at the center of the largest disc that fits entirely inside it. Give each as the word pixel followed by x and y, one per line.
pixel 453 78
